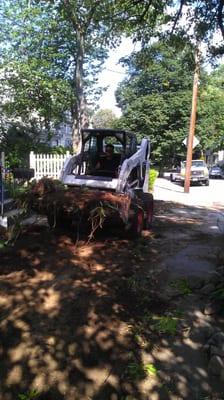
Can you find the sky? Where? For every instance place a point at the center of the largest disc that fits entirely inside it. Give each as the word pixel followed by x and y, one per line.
pixel 113 73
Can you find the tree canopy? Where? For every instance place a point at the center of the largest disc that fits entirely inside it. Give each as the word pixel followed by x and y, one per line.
pixel 104 118
pixel 210 121
pixel 156 98
pixel 52 52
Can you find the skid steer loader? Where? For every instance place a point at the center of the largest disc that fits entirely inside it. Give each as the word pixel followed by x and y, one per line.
pixel 118 178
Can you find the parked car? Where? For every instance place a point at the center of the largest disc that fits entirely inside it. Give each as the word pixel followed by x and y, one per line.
pixel 199 173
pixel 216 172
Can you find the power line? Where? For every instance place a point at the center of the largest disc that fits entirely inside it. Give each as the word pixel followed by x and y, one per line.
pixel 116 72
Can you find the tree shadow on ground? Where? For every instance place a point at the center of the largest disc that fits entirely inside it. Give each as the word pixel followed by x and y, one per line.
pixel 75 320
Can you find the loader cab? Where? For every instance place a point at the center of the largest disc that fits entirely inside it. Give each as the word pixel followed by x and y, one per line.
pixel 109 160
pixel 104 150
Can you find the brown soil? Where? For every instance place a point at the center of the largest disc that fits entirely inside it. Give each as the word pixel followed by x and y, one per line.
pixel 76 318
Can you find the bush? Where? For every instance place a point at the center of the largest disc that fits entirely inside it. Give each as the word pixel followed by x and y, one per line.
pixel 153 174
pixel 17 143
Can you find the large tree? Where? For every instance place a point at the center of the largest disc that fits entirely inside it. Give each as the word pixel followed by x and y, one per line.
pixel 33 87
pixel 64 42
pixel 156 97
pixel 210 121
pixel 45 71
pixel 57 47
pixel 201 21
pixel 104 118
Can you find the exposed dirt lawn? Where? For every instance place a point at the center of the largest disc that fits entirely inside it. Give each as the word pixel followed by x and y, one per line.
pixel 96 321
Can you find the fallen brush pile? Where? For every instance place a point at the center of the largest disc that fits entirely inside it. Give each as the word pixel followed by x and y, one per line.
pixel 75 206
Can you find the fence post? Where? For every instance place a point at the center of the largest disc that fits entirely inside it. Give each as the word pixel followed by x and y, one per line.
pixel 33 162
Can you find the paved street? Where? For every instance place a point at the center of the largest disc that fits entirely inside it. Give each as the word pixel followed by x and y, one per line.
pixel 205 202
pixel 212 195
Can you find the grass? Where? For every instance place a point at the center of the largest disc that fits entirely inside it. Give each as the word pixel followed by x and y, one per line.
pixel 15 190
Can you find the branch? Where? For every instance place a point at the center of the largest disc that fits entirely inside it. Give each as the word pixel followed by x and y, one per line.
pixel 220 16
pixel 70 14
pixel 142 16
pixel 178 15
pixel 129 7
pixel 91 14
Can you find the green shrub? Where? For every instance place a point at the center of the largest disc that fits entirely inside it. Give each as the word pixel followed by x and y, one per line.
pixel 182 285
pixel 153 174
pixel 32 394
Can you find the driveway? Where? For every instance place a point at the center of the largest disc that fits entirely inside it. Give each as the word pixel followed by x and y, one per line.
pixel 201 210
pixel 85 321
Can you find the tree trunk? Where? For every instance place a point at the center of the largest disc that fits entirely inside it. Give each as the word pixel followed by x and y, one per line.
pixel 80 105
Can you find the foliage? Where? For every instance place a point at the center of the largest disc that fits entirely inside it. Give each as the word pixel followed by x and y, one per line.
pixel 19 141
pixel 210 120
pixel 156 98
pixel 182 286
pixel 219 294
pixel 32 394
pixel 198 21
pixel 33 90
pixel 166 324
pixel 54 51
pixel 15 191
pixel 194 21
pixel 39 64
pixel 104 119
pixel 153 175
pixel 150 369
pixel 20 194
pixel 44 148
pixel 139 371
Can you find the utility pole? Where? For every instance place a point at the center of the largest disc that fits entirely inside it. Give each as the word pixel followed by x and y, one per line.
pixel 2 178
pixel 192 122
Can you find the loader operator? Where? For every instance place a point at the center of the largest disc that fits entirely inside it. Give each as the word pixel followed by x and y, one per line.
pixel 108 163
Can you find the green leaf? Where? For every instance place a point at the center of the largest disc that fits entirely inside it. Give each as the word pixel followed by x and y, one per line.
pixel 151 369
pixel 2 244
pixel 166 324
pixel 182 285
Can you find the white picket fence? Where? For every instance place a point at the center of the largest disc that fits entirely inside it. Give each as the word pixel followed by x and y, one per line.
pixel 49 165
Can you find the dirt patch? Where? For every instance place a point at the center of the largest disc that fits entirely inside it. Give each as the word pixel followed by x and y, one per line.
pixel 93 321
